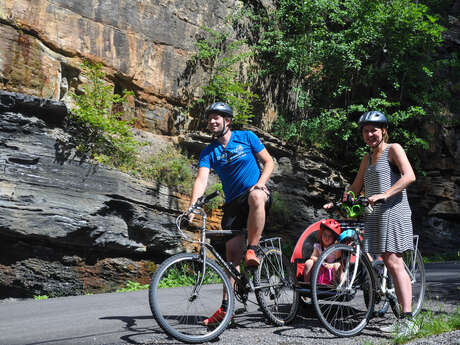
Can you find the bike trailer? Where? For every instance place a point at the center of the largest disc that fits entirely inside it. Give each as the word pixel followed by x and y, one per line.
pixel 304 248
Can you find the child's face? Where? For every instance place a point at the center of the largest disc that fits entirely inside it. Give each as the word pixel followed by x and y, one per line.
pixel 328 237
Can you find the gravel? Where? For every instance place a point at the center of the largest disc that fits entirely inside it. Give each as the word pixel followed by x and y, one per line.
pixel 250 329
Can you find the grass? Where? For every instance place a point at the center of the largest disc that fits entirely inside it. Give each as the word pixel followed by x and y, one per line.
pixel 186 276
pixel 432 324
pixel 133 286
pixel 449 256
pixel 40 297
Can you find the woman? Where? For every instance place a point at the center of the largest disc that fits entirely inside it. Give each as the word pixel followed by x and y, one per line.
pixel 385 172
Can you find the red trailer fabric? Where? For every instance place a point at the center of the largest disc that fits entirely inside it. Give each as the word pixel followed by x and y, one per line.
pixel 304 248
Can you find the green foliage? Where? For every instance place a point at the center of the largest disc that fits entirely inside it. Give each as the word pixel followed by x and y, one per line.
pixel 40 297
pixel 133 286
pixel 442 257
pixel 222 58
pixel 335 59
pixel 433 323
pixel 218 200
pixel 169 167
pixel 104 137
pixel 177 278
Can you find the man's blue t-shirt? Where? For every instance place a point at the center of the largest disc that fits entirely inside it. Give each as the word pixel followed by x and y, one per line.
pixel 236 164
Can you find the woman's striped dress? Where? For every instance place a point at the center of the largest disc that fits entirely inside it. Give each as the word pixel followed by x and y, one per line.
pixel 389 227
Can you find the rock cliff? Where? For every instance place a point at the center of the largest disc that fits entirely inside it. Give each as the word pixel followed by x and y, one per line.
pixel 70 227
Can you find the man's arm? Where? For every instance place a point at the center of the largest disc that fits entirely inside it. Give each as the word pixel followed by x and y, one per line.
pixel 267 161
pixel 199 186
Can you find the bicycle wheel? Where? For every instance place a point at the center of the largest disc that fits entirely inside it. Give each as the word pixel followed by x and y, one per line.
pixel 180 302
pixel 275 287
pixel 416 271
pixel 345 306
pixel 382 302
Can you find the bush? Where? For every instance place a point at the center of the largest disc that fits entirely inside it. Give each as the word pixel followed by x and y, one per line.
pixel 102 135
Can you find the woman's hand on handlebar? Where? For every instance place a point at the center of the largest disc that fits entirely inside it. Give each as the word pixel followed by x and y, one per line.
pixel 328 206
pixel 377 198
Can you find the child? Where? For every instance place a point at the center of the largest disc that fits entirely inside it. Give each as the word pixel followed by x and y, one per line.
pixel 328 233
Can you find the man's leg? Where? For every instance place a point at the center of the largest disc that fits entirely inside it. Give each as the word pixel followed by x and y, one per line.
pixel 256 218
pixel 256 223
pixel 234 249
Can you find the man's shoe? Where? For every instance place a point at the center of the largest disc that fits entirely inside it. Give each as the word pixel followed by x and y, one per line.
pixel 216 318
pixel 251 259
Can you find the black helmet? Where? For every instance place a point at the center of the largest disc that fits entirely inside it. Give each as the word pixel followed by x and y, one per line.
pixel 219 108
pixel 373 118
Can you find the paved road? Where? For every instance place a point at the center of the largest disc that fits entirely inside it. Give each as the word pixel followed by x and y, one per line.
pixel 125 318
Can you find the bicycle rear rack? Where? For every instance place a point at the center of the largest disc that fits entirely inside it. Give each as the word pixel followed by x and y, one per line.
pixel 273 242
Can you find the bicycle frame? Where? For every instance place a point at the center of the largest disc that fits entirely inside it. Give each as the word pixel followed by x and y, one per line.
pixel 241 279
pixel 382 289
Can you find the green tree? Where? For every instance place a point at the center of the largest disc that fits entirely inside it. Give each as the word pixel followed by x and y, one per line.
pixel 336 59
pixel 103 136
pixel 222 58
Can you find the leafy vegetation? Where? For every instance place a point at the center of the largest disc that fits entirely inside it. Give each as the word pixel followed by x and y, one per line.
pixel 104 136
pixel 133 286
pixel 431 324
pixel 218 200
pixel 40 297
pixel 222 59
pixel 179 277
pixel 169 167
pixel 448 256
pixel 333 60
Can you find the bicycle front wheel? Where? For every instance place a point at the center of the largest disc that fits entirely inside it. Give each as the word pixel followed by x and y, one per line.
pixel 416 271
pixel 275 287
pixel 181 297
pixel 345 305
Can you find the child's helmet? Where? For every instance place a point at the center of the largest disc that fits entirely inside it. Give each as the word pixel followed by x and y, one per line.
pixel 347 234
pixel 220 108
pixel 331 224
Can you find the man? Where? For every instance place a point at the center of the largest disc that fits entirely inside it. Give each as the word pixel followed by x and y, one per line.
pixel 234 155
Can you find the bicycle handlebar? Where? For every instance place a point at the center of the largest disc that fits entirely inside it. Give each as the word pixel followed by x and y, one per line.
pixel 354 207
pixel 205 198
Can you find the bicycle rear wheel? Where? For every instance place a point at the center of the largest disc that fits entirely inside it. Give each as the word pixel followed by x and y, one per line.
pixel 344 307
pixel 416 271
pixel 275 287
pixel 180 302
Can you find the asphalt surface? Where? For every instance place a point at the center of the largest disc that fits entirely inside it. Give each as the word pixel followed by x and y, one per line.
pixel 125 318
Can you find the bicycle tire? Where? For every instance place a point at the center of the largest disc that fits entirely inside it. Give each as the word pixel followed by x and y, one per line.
pixel 180 313
pixel 382 303
pixel 418 283
pixel 278 298
pixel 344 312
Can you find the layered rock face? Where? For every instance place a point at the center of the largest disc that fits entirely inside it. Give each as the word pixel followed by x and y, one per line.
pixel 67 226
pixel 144 45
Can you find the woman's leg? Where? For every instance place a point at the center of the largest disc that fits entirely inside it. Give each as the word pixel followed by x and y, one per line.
pixel 401 280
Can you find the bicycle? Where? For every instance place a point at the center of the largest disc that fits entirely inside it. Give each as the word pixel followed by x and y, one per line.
pixel 346 307
pixel 198 281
